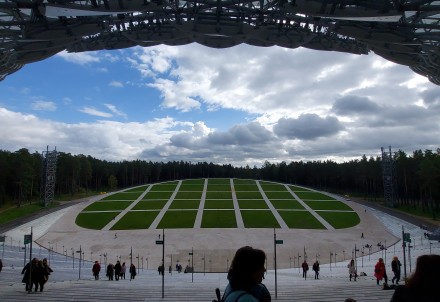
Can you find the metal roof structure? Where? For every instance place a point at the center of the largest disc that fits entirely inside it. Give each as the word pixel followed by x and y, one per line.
pixel 402 31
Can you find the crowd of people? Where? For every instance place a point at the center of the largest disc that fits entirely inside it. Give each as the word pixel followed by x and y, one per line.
pixel 247 271
pixel 114 271
pixel 35 274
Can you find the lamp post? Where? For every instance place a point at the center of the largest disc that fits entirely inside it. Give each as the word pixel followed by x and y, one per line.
pixel 162 242
pixel 331 254
pixel 80 252
pixel 299 270
pixel 335 258
pixel 142 263
pixel 73 258
pixel 204 263
pixel 138 264
pixel 192 264
pixel 227 264
pixel 91 256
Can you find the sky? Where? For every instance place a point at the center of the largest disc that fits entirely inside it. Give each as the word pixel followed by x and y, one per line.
pixel 242 105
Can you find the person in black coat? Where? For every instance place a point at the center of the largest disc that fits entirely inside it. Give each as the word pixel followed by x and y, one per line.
pixel 118 269
pixel 132 271
pixel 423 285
pixel 26 271
pixel 110 269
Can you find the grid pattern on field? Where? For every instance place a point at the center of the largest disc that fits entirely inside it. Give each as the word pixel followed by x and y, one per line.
pixel 220 203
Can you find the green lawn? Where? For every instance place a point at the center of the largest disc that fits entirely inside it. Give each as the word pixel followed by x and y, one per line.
pixel 313 196
pixel 95 221
pixel 300 220
pixel 218 181
pixel 108 205
pixel 24 210
pixel 158 195
pixel 341 220
pixel 218 195
pixel 189 195
pixel 327 205
pixel 238 181
pixel 188 187
pixel 185 204
pixel 286 204
pixel 252 204
pixel 150 205
pixel 272 186
pixel 137 189
pixel 219 204
pixel 279 195
pixel 178 220
pixel 214 187
pixel 136 220
pixel 219 219
pixel 259 219
pixel 164 187
pixel 250 187
pixel 123 196
pixel 218 207
pixel 248 195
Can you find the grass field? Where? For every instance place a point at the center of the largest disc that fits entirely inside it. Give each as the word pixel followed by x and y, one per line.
pixel 222 205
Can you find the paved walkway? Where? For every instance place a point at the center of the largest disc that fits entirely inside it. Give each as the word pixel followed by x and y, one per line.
pixel 57 237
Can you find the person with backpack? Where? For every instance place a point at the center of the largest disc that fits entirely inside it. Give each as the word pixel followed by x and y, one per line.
pixel 245 276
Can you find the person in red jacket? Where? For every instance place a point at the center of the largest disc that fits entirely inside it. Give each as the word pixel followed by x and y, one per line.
pixel 96 269
pixel 380 271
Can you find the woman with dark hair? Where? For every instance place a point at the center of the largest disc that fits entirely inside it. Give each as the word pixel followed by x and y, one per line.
pixel 245 276
pixel 423 285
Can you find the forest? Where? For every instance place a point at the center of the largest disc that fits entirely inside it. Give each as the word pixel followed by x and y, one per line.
pixel 416 176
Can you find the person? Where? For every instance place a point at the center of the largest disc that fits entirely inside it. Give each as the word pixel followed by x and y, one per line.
pixel 39 275
pixel 395 267
pixel 380 272
pixel 47 268
pixel 96 269
pixel 305 268
pixel 1 265
pixel 27 275
pixel 117 270
pixel 245 277
pixel 352 270
pixel 110 269
pixel 315 267
pixel 423 284
pixel 123 270
pixel 132 271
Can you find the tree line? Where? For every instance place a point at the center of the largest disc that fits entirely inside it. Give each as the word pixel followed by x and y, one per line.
pixel 417 176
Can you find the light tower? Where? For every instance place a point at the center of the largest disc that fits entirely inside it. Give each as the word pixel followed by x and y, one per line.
pixel 48 176
pixel 388 177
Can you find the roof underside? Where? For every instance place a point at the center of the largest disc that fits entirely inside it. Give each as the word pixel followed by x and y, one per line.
pixel 404 32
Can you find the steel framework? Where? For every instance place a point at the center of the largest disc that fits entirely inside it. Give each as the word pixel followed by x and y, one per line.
pixel 48 177
pixel 403 31
pixel 388 178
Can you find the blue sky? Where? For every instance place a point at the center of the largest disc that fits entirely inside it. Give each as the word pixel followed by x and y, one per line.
pixel 241 105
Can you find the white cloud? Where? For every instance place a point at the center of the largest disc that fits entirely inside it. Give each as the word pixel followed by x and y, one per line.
pixel 95 112
pixel 81 58
pixel 113 109
pixel 116 84
pixel 41 105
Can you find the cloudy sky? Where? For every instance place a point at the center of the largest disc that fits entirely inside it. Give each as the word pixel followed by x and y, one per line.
pixel 241 105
